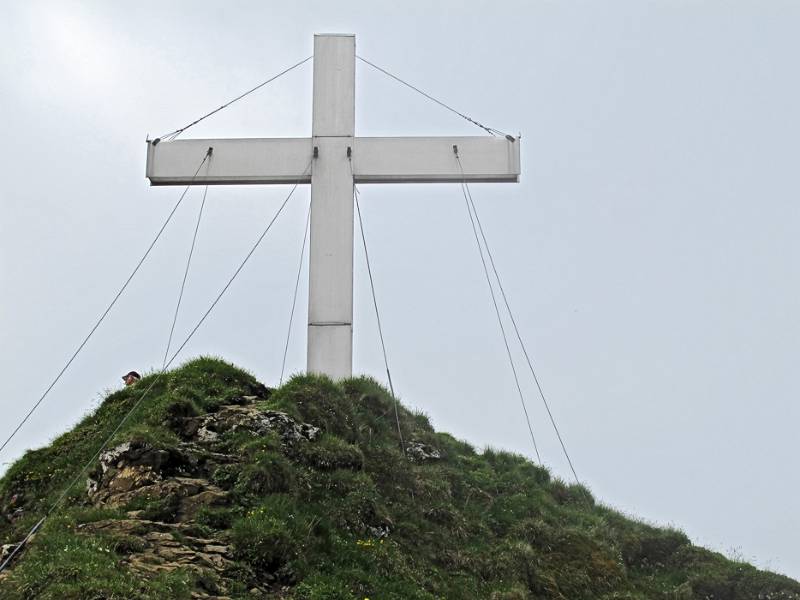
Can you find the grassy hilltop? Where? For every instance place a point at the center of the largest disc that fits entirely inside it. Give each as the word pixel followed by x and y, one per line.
pixel 218 487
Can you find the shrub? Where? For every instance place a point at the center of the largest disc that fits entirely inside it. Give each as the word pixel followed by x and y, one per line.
pixel 554 560
pixel 271 474
pixel 216 518
pixel 651 547
pixel 351 498
pixel 179 409
pixel 317 400
pixel 225 476
pixel 323 587
pixel 329 453
pixel 448 445
pixel 374 409
pixel 266 537
pixel 210 382
pixel 572 494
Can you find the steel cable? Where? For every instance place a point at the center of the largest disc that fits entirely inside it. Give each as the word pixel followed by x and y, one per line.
pixel 490 130
pixel 158 377
pixel 294 297
pixel 106 311
pixel 174 134
pixel 497 311
pixel 378 319
pixel 186 273
pixel 519 338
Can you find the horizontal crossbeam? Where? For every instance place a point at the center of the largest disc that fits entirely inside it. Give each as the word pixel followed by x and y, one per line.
pixel 374 160
pixel 233 161
pixel 433 159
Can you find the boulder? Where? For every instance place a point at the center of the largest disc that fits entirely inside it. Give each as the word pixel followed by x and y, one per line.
pixel 134 464
pixel 249 418
pixel 421 452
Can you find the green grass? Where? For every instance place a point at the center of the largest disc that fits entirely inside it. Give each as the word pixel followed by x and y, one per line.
pixel 63 565
pixel 347 516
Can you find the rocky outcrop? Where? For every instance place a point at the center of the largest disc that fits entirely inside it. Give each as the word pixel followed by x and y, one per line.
pixel 172 485
pixel 152 547
pixel 420 452
pixel 207 428
pixel 133 465
pixel 138 469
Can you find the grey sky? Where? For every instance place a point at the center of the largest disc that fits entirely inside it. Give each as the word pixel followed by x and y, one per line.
pixel 650 250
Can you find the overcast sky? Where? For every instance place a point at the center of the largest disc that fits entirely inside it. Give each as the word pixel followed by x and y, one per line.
pixel 650 250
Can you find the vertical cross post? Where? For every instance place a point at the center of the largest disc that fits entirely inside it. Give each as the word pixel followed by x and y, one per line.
pixel 330 296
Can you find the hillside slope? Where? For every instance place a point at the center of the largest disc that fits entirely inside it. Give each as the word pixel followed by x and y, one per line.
pixel 218 487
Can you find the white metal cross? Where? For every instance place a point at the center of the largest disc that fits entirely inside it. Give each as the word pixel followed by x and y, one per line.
pixel 338 161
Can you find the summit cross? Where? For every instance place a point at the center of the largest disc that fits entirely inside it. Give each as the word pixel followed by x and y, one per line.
pixel 333 160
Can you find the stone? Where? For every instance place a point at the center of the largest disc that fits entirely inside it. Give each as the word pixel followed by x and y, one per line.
pixel 421 452
pixel 249 418
pixel 5 551
pixel 167 547
pixel 379 532
pixel 135 464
